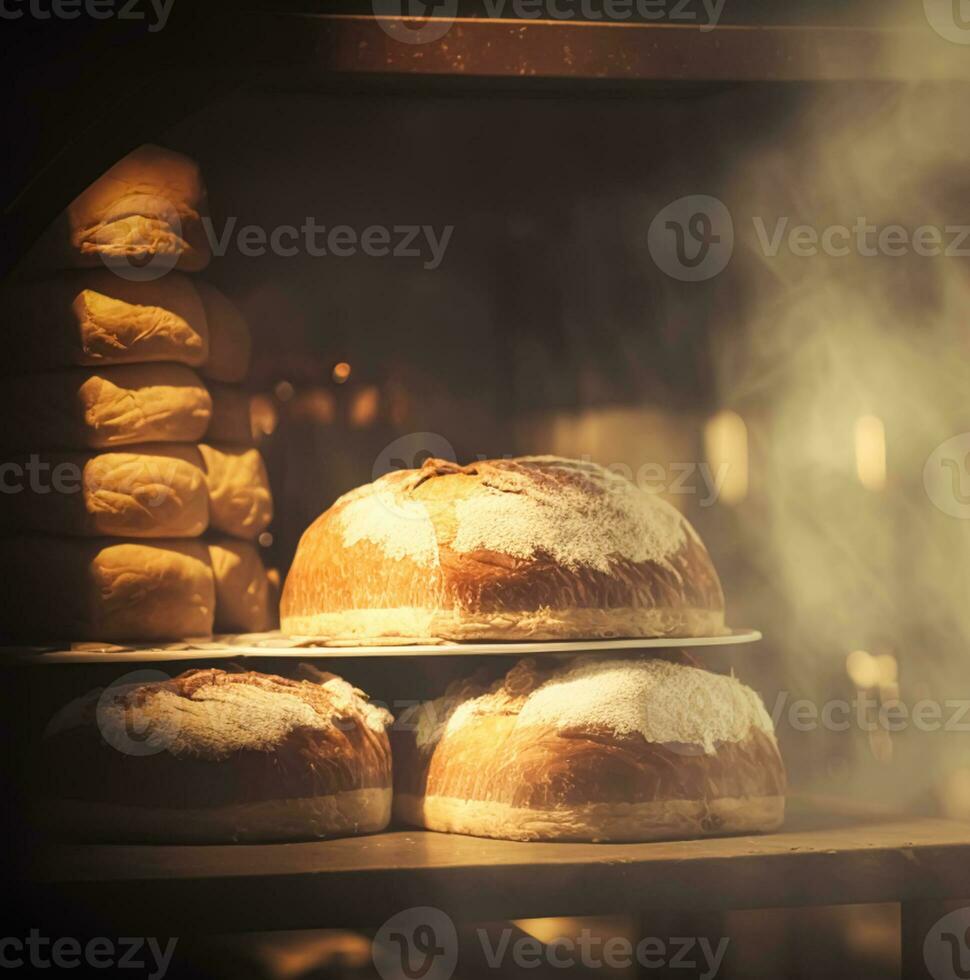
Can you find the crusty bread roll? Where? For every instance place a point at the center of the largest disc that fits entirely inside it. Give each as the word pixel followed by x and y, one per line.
pixel 230 344
pixel 532 548
pixel 243 589
pixel 240 502
pixel 153 491
pixel 70 589
pixel 96 318
pixel 230 416
pixel 213 757
pixel 145 211
pixel 103 407
pixel 596 750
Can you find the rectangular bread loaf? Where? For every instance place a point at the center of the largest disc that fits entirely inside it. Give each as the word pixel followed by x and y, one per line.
pixel 142 217
pixel 230 343
pixel 98 408
pixel 95 318
pixel 240 502
pixel 243 588
pixel 230 416
pixel 153 491
pixel 71 589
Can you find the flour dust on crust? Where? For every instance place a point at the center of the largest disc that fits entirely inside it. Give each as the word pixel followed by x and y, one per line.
pixel 664 702
pixel 210 714
pixel 578 514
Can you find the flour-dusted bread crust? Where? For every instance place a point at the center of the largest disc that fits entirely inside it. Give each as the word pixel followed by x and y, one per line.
pixel 95 318
pixel 230 343
pixel 220 757
pixel 230 421
pixel 244 594
pixel 103 589
pixel 148 491
pixel 146 210
pixel 523 549
pixel 631 749
pixel 95 408
pixel 240 501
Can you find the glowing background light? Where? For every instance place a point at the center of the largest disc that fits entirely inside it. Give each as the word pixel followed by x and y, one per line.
pixel 870 452
pixel 726 448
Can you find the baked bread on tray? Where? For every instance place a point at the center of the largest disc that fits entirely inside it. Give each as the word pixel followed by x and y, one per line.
pixel 632 749
pixel 535 548
pixel 217 757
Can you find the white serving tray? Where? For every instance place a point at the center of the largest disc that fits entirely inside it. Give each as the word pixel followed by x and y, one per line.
pixel 293 647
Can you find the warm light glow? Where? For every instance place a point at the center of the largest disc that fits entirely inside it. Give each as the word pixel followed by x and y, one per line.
pixel 863 668
pixel 363 408
pixel 341 372
pixel 888 669
pixel 956 795
pixel 602 927
pixel 548 930
pixel 283 391
pixel 316 405
pixel 870 452
pixel 398 404
pixel 263 415
pixel 726 447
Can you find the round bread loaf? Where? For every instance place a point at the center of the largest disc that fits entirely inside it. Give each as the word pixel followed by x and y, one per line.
pixel 594 750
pixel 210 757
pixel 531 548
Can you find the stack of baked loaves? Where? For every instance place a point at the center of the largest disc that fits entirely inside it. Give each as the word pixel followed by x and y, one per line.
pixel 124 440
pixel 543 548
pixel 604 748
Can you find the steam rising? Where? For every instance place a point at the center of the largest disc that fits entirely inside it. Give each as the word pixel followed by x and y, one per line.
pixel 832 349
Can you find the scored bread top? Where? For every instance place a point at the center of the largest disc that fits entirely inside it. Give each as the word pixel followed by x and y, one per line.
pixel 579 514
pixel 532 547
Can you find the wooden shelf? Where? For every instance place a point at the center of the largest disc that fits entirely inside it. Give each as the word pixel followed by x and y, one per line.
pixel 814 860
pixel 623 51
